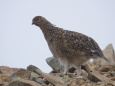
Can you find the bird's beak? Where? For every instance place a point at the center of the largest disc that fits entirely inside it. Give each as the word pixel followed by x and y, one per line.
pixel 32 23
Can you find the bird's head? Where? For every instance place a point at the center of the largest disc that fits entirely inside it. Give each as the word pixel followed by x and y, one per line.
pixel 38 21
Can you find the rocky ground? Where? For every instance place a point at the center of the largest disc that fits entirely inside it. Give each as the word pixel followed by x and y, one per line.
pixel 96 73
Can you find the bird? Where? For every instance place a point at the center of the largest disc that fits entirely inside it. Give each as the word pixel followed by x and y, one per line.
pixel 72 49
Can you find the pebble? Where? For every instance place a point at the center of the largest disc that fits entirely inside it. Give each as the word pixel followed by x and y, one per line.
pixel 112 73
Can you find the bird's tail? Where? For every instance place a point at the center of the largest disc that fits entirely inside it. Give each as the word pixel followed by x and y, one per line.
pixel 101 55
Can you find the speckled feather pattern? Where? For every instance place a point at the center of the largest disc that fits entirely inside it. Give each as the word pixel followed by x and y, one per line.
pixel 74 47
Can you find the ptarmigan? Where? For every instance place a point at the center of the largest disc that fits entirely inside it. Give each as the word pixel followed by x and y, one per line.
pixel 69 47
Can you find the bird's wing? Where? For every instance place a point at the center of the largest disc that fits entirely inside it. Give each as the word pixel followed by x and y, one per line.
pixel 80 42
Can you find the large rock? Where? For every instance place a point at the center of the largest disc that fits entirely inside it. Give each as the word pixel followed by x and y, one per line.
pixel 55 64
pixel 109 53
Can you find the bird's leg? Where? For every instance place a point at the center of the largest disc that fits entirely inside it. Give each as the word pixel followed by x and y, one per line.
pixel 79 70
pixel 66 68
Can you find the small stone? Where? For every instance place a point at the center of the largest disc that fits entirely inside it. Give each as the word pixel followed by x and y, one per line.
pixel 7 70
pixel 98 83
pixel 65 79
pixel 110 84
pixel 71 75
pixel 36 78
pixel 40 81
pixel 93 78
pixel 114 83
pixel 81 82
pixel 50 84
pixel 88 84
pixel 79 77
pixel 67 76
pixel 0 72
pixel 33 75
pixel 73 84
pixel 104 69
pixel 4 78
pixel 13 75
pixel 58 76
pixel 84 73
pixel 112 73
pixel 32 68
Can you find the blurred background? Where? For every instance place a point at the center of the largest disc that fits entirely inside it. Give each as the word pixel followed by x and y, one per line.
pixel 22 43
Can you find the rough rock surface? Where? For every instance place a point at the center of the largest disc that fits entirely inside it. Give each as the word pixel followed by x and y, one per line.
pixel 39 78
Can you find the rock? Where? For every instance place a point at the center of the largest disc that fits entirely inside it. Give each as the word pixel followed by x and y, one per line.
pixel 13 75
pixel 40 81
pixel 7 70
pixel 50 84
pixel 92 76
pixel 54 80
pixel 91 66
pixel 81 82
pixel 35 77
pixel 85 74
pixel 55 64
pixel 97 63
pixel 4 78
pixel 114 83
pixel 22 82
pixel 100 76
pixel 74 84
pixel 105 68
pixel 112 74
pixel 22 73
pixel 109 53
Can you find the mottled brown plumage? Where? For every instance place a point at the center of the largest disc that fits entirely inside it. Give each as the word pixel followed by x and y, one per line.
pixel 69 47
